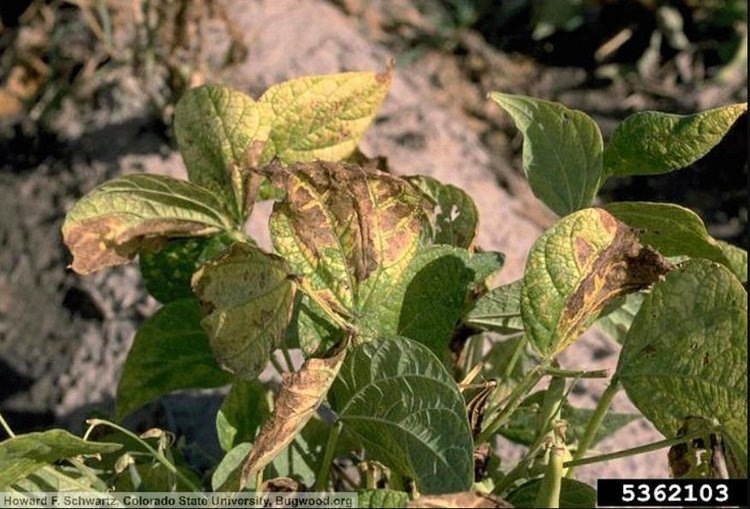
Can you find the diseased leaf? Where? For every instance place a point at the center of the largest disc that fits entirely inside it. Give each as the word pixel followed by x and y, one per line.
pixel 168 271
pixel 686 353
pixel 453 217
pixel 300 395
pixel 341 224
pixel 650 142
pixel 374 499
pixel 322 117
pixel 221 134
pixel 396 397
pixel 311 329
pixel 241 414
pixel 485 265
pixel 113 222
pixel 616 318
pixel 247 299
pixel 576 267
pixel 25 454
pixel 562 151
pixel 737 259
pixel 499 310
pixel 170 352
pixel 573 494
pixel 467 499
pixel 670 229
pixel 424 302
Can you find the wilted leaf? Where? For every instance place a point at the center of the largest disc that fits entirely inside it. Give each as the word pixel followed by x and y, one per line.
pixel 23 455
pixel 573 494
pixel 221 134
pixel 247 299
pixel 170 352
pixel 467 499
pixel 650 142
pixel 686 352
pixel 374 499
pixel 241 414
pixel 300 395
pixel 616 318
pixel 452 214
pixel 562 151
pixel 322 117
pixel 398 399
pixel 341 224
pixel 499 310
pixel 113 222
pixel 168 271
pixel 670 229
pixel 587 259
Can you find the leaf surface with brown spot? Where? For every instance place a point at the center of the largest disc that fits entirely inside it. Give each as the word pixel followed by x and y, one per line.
pixel 113 222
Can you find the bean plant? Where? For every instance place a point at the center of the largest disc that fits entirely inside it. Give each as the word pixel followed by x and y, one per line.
pixel 369 349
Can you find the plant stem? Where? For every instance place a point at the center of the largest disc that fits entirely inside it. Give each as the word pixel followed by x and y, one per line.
pixel 566 373
pixel 602 407
pixel 641 449
pixel 259 481
pixel 514 357
pixel 512 401
pixel 288 359
pixel 156 454
pixel 277 365
pixel 549 492
pixel 6 427
pixel 325 464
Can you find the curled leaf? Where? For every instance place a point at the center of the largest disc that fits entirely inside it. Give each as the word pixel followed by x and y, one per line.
pixel 341 224
pixel 576 267
pixel 247 299
pixel 301 394
pixel 113 222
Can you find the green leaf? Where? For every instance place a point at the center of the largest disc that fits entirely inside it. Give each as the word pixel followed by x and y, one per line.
pixel 737 259
pixel 247 299
pixel 452 214
pixel 573 494
pixel 382 498
pixel 310 328
pixel 226 477
pixel 167 272
pixel 113 222
pixel 499 310
pixel 562 151
pixel 524 422
pixel 24 454
pixel 485 265
pixel 650 142
pixel 341 224
pixel 425 302
pixel 221 134
pixel 686 352
pixel 322 117
pixel 615 320
pixel 576 267
pixel 170 352
pixel 670 229
pixel 242 413
pixel 398 399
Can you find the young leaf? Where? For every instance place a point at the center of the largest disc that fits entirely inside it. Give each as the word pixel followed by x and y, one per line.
pixel 615 320
pixel 398 399
pixel 454 218
pixel 499 310
pixel 247 299
pixel 562 151
pixel 170 352
pixel 650 142
pixel 241 414
pixel 587 259
pixel 24 454
pixel 168 271
pixel 670 229
pixel 573 494
pixel 322 117
pixel 221 134
pixel 341 224
pixel 113 222
pixel 300 395
pixel 686 352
